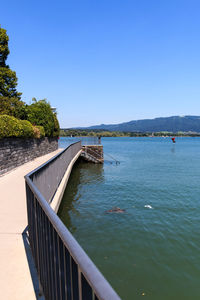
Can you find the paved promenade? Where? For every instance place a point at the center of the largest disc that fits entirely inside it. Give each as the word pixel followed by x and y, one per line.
pixel 17 273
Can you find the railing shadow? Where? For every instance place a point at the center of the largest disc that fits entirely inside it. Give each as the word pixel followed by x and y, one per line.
pixel 31 265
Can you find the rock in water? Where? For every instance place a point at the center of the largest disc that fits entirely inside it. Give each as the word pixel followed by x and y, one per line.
pixel 115 210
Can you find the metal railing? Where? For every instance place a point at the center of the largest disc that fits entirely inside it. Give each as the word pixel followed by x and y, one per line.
pixel 64 269
pixel 88 140
pixel 48 176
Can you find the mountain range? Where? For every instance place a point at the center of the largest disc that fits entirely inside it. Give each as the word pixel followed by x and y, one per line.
pixel 171 124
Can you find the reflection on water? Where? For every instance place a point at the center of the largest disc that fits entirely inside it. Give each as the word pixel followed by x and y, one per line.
pixel 83 174
pixel 173 148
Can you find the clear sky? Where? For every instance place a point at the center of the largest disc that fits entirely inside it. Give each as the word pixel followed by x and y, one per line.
pixel 106 61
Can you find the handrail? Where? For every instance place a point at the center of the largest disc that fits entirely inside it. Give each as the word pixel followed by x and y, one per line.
pixel 88 140
pixel 100 159
pixel 94 159
pixel 45 178
pixel 116 161
pixel 64 269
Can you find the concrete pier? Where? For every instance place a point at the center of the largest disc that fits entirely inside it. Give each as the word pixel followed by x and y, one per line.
pixel 93 153
pixel 18 278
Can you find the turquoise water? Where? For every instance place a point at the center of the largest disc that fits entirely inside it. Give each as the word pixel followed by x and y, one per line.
pixel 144 252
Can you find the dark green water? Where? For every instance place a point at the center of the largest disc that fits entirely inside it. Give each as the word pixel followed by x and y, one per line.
pixel 150 251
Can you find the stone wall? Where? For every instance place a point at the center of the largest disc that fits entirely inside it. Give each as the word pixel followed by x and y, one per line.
pixel 17 151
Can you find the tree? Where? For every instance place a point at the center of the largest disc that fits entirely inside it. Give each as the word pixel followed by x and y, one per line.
pixel 4 51
pixel 10 99
pixel 40 113
pixel 56 126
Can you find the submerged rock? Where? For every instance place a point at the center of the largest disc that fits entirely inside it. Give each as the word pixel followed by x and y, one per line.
pixel 115 210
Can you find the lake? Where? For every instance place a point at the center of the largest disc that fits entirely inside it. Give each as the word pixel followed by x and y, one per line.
pixel 151 250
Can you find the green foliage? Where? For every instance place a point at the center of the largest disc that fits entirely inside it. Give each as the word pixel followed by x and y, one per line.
pixel 79 132
pixel 21 111
pixel 9 97
pixel 38 132
pixel 40 113
pixel 42 132
pixel 12 127
pixel 56 126
pixel 4 51
pixel 12 107
pixel 27 128
pixel 103 133
pixel 8 83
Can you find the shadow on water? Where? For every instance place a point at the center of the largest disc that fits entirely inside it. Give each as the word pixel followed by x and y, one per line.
pixel 82 173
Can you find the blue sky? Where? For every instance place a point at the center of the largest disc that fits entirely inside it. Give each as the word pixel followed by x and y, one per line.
pixel 106 61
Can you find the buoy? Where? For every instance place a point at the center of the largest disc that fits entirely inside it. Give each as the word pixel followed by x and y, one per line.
pixel 173 140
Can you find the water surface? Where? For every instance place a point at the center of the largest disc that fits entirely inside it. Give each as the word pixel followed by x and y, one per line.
pixel 144 252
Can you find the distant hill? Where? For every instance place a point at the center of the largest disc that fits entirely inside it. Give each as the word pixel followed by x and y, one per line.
pixel 171 124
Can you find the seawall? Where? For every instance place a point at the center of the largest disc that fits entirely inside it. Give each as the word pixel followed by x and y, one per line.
pixel 15 152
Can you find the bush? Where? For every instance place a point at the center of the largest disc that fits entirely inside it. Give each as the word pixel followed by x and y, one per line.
pixel 27 129
pixel 56 131
pixel 12 127
pixel 38 132
pixel 11 106
pixel 40 113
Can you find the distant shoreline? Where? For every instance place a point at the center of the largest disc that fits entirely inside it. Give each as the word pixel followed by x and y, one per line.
pixel 106 133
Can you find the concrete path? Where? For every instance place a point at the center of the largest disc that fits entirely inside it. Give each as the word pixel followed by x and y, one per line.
pixel 17 273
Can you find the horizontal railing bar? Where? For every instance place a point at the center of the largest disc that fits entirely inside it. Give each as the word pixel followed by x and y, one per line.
pixel 49 176
pixel 50 160
pixel 101 287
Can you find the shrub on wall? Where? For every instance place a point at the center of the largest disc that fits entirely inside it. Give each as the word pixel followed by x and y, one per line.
pixel 12 127
pixel 40 113
pixel 56 131
pixel 38 132
pixel 27 129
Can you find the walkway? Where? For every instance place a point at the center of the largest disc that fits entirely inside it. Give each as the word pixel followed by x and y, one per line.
pixel 17 273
